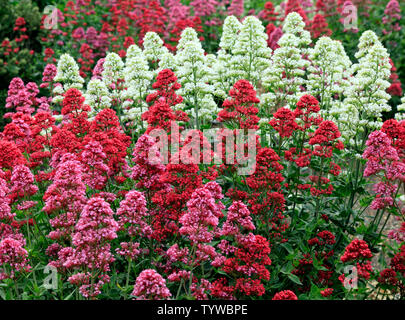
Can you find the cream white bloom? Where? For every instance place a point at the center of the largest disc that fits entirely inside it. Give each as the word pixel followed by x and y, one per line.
pixel 223 77
pixel 250 53
pixel 112 70
pixel 295 25
pixel 137 75
pixel 366 97
pixel 167 61
pixel 230 32
pixel 286 75
pixel 97 96
pixel 68 75
pixel 153 48
pixel 328 73
pixel 195 75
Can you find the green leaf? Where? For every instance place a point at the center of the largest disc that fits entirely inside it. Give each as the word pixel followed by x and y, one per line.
pixel 294 279
pixel 288 247
pixel 287 268
pixel 70 295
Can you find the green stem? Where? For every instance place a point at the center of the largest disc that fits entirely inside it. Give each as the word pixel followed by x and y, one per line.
pixel 178 290
pixel 128 273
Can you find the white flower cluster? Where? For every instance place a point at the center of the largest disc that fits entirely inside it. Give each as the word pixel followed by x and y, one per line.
pixel 365 96
pixel 224 77
pixel 194 74
pixel 112 76
pixel 153 48
pixel 68 76
pixel 285 76
pixel 113 68
pixel 328 73
pixel 250 54
pixel 295 25
pixel 97 96
pixel 230 31
pixel 138 79
pixel 243 54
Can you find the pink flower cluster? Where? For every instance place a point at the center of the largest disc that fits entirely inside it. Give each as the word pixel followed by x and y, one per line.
pixel 21 97
pixel 13 258
pixel 204 8
pixel 65 196
pixel 98 69
pixel 133 212
pixel 97 171
pixel 5 211
pixel 22 181
pixel 202 214
pixel 150 285
pixel 236 8
pixel 392 16
pixel 176 11
pixel 68 189
pixel 238 216
pixel 148 164
pixel 94 231
pixel 383 160
pixel 48 75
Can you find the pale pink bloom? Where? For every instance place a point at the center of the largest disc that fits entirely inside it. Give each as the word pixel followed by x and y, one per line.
pixel 176 254
pixel 14 256
pixel 48 75
pixel 150 285
pixel 98 69
pixel 148 164
pixel 97 172
pixel 202 215
pixel 133 211
pixel 236 8
pixel 129 249
pixel 199 292
pixel 5 211
pixel 20 97
pixel 204 8
pixel 22 181
pixel 238 217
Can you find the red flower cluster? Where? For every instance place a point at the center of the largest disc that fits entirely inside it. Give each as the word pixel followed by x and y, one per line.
pixel 285 295
pixel 319 26
pixel 240 110
pixel 284 122
pixel 248 267
pixel 294 6
pixel 356 250
pixel 10 155
pixel 302 126
pixel 160 115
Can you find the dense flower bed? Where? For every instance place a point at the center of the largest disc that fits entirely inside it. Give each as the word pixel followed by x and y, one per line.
pixel 213 154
